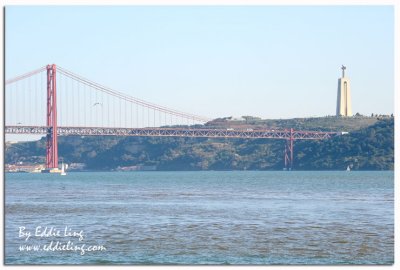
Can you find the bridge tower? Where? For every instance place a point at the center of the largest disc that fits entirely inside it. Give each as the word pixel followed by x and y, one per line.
pixel 51 138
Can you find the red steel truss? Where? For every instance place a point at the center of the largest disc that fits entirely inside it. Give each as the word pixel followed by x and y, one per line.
pixel 288 134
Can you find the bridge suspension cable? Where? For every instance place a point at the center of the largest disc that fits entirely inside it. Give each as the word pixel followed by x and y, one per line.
pixel 83 102
pixel 130 98
pixel 26 75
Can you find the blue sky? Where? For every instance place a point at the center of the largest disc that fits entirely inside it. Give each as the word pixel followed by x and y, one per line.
pixel 266 61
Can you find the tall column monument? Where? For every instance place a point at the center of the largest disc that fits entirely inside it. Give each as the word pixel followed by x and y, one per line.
pixel 343 107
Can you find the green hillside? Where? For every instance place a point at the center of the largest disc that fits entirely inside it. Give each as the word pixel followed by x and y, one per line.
pixel 371 148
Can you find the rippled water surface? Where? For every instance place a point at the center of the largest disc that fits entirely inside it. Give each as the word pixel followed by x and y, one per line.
pixel 202 217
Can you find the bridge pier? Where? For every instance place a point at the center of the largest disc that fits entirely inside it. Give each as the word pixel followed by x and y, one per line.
pixel 288 155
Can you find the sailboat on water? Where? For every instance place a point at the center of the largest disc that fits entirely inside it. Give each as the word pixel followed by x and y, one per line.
pixel 63 168
pixel 348 168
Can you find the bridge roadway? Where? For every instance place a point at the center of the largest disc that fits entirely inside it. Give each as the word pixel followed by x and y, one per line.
pixel 288 134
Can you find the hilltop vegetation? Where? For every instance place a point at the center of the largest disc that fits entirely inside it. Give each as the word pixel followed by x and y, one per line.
pixel 329 123
pixel 369 146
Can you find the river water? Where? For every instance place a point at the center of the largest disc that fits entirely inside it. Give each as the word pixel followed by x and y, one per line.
pixel 200 218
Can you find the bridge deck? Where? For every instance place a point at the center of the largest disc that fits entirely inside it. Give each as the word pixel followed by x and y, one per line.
pixel 175 132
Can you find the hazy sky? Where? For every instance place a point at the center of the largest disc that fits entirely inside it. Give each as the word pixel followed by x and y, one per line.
pixel 266 61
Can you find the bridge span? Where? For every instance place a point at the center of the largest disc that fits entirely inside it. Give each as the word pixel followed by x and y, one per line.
pixel 57 102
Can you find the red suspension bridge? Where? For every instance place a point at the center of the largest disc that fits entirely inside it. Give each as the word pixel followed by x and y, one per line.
pixel 56 102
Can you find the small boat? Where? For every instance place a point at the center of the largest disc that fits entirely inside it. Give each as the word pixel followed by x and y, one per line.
pixel 63 169
pixel 348 168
